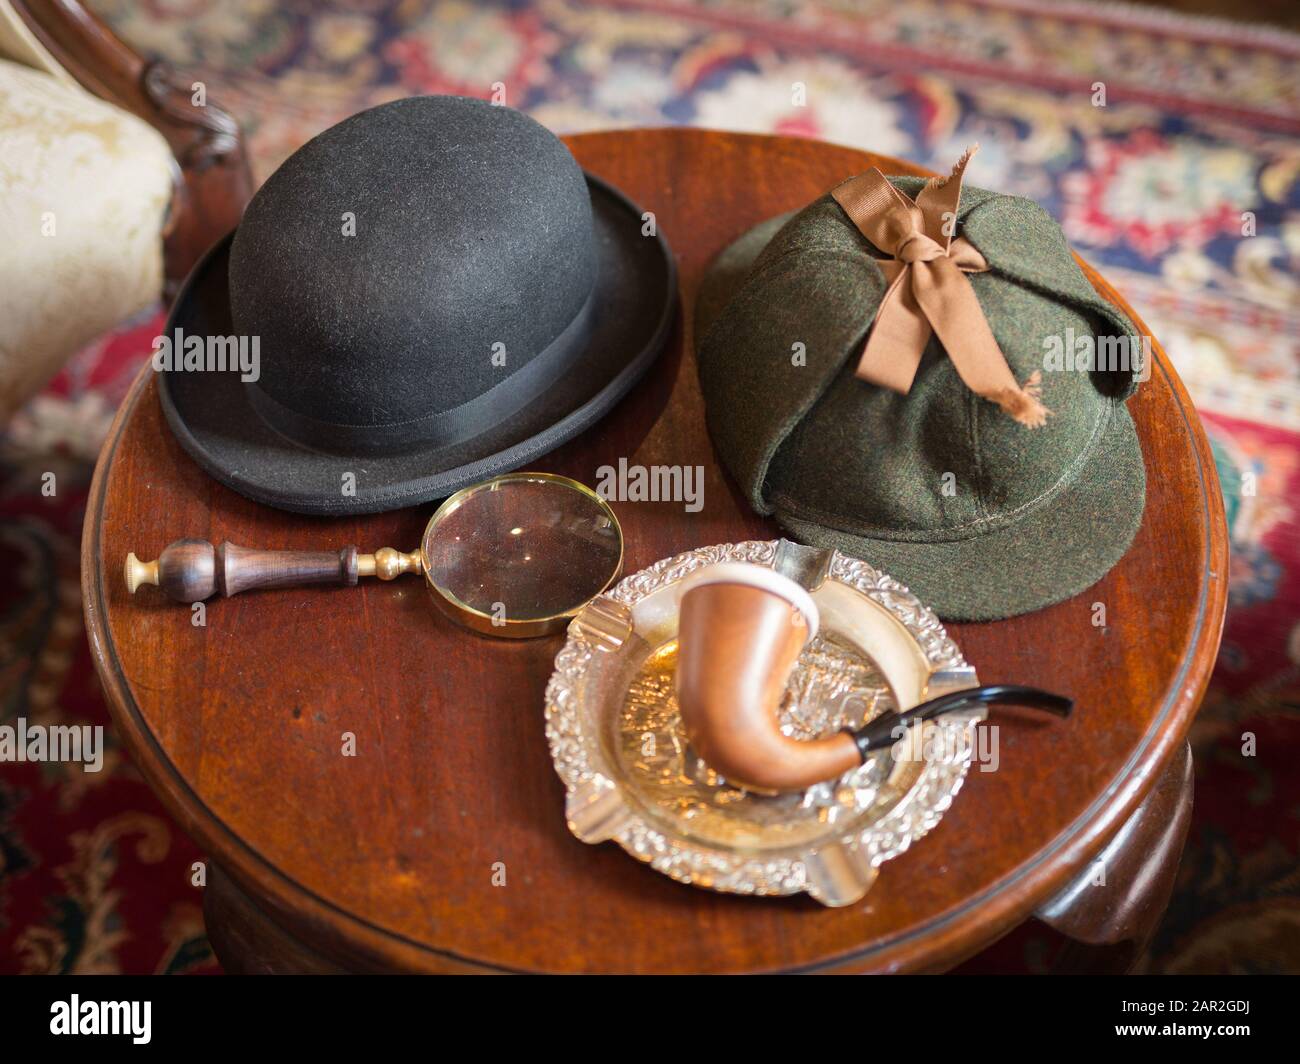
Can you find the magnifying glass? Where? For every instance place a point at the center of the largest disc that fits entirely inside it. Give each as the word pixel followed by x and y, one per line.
pixel 514 557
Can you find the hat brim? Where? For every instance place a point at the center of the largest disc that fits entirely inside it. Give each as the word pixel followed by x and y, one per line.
pixel 1051 554
pixel 213 417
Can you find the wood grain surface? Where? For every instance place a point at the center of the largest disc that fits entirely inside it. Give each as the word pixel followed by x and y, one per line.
pixel 385 860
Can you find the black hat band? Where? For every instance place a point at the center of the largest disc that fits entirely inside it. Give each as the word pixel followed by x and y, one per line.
pixel 445 428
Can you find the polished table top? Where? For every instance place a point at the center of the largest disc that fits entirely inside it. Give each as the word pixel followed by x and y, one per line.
pixel 386 859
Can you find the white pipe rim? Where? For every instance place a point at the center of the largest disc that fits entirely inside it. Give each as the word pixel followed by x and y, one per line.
pixel 759 576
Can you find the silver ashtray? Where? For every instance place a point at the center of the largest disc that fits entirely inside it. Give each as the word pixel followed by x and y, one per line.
pixel 618 743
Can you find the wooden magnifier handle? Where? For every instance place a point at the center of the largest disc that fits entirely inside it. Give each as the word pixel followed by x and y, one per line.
pixel 191 570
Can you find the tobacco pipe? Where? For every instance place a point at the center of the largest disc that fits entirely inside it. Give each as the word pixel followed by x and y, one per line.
pixel 741 629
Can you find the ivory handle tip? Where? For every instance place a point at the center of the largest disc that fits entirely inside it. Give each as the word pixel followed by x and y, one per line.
pixel 137 572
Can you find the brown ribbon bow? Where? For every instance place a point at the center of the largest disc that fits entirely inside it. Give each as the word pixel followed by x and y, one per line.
pixel 928 290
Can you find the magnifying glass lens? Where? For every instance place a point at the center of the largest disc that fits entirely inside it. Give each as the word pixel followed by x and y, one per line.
pixel 523 548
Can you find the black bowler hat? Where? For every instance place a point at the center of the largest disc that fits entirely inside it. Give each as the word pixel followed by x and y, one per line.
pixel 439 294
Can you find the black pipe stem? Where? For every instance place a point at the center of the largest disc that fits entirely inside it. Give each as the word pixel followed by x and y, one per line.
pixel 884 730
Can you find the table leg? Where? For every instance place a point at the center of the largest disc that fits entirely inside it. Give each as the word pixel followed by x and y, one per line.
pixel 1110 918
pixel 247 941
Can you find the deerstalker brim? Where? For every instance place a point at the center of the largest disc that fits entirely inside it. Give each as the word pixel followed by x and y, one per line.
pixel 213 417
pixel 1051 554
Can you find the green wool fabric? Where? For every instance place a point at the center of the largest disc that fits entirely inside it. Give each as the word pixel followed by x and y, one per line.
pixel 979 515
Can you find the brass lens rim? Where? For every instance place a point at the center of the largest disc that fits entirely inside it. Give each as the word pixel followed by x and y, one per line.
pixel 512 628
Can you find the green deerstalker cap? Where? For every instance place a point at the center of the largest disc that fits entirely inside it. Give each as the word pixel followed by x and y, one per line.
pixel 979 515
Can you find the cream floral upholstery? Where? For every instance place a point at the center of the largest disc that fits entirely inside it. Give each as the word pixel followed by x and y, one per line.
pixel 84 192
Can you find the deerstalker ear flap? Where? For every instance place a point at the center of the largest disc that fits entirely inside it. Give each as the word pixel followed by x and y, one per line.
pixel 727 273
pixel 780 332
pixel 1022 241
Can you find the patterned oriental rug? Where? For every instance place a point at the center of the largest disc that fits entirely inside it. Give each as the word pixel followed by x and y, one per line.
pixel 1184 188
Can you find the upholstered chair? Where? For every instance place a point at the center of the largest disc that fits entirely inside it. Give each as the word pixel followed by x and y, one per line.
pixel 112 183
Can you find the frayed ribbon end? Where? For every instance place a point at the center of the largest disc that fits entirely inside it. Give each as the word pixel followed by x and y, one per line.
pixel 1025 403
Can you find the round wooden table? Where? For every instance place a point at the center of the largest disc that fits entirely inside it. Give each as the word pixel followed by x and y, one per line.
pixel 393 858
